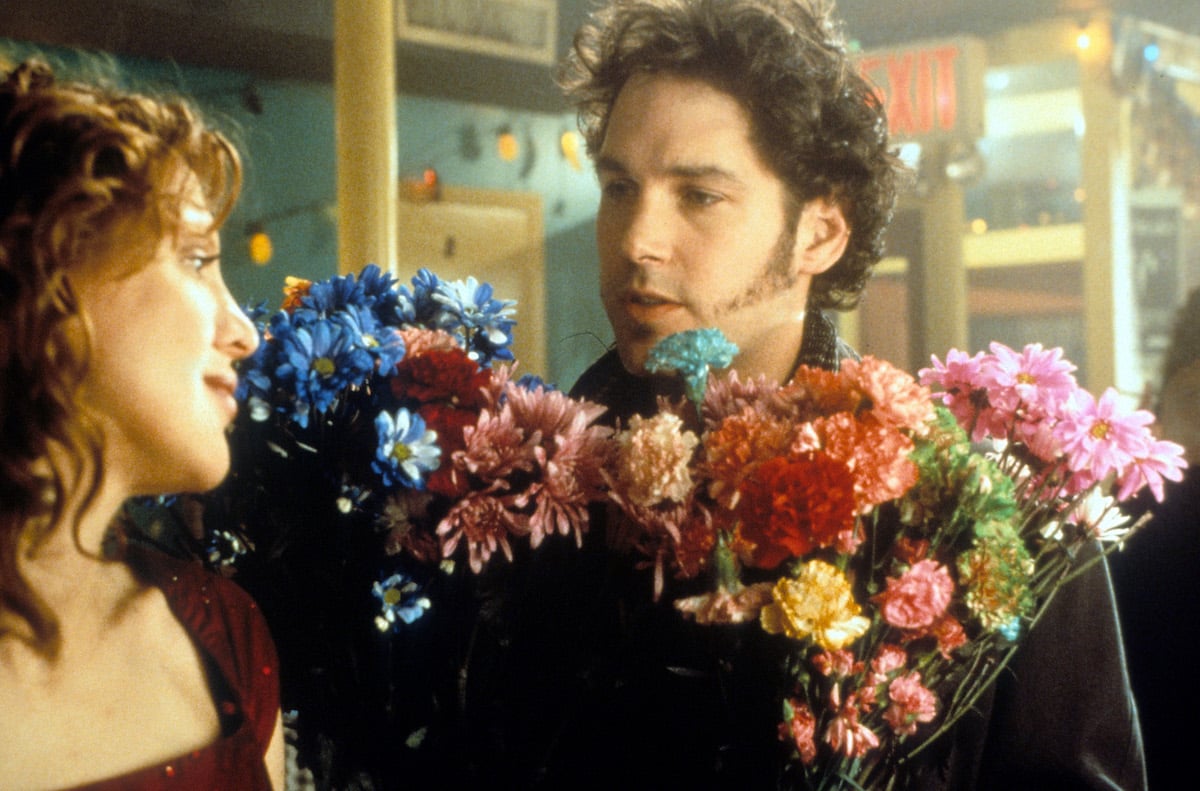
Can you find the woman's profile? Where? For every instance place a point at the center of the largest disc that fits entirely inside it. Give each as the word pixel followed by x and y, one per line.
pixel 119 667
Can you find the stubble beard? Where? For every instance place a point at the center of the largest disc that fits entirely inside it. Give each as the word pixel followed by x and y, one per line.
pixel 777 274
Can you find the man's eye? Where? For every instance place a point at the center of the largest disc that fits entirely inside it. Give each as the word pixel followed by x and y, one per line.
pixel 617 189
pixel 697 197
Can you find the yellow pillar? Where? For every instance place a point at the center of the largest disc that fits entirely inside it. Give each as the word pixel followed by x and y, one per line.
pixel 1109 323
pixel 365 107
pixel 943 280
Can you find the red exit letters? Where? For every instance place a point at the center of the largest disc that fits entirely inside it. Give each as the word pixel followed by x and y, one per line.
pixel 919 88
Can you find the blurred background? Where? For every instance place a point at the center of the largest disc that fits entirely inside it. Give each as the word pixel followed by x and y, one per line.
pixel 1055 147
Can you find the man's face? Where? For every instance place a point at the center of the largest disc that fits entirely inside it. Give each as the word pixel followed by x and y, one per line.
pixel 693 229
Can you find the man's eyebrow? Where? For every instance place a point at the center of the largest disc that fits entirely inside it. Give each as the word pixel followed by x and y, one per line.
pixel 703 171
pixel 609 164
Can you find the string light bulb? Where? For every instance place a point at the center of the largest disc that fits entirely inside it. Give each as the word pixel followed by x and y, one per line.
pixel 258 245
pixel 507 145
pixel 568 143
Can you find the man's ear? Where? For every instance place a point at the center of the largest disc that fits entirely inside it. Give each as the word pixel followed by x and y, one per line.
pixel 822 234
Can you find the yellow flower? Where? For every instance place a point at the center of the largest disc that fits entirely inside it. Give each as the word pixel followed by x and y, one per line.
pixel 817 603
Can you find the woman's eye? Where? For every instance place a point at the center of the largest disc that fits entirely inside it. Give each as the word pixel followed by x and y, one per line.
pixel 200 261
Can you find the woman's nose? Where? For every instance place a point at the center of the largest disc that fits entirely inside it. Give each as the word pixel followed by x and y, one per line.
pixel 239 336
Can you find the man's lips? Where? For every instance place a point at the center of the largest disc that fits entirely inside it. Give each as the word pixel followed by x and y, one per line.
pixel 649 305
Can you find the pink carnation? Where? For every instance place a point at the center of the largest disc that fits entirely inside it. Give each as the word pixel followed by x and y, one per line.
pixel 896 399
pixel 653 463
pixel 911 703
pixel 837 664
pixel 801 729
pixel 888 659
pixel 845 733
pixel 918 597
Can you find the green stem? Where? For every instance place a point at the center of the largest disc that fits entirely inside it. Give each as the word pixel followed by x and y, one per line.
pixel 726 566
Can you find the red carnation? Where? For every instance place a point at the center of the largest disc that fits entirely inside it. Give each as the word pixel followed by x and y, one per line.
pixel 790 506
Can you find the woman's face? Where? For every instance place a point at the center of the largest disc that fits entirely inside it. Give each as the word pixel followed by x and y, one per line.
pixel 166 333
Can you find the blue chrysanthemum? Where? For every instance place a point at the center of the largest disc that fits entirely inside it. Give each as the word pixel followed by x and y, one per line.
pixel 691 354
pixel 423 308
pixel 400 602
pixel 373 290
pixel 406 449
pixel 384 343
pixel 534 382
pixel 317 361
pixel 469 310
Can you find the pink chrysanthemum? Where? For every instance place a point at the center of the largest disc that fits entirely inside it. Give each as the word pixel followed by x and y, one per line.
pixel 1036 381
pixel 918 597
pixel 730 394
pixel 483 523
pixel 568 454
pixel 963 389
pixel 1099 438
pixel 911 702
pixel 493 449
pixel 1160 459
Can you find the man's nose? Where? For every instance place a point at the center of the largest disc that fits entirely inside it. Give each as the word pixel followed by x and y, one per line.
pixel 648 230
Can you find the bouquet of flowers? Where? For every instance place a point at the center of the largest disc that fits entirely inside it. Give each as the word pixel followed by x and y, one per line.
pixel 385 453
pixel 850 515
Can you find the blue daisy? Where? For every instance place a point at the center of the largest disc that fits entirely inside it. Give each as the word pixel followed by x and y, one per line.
pixel 407 450
pixel 485 323
pixel 400 602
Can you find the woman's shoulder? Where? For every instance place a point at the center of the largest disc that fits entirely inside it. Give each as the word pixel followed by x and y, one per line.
pixel 224 621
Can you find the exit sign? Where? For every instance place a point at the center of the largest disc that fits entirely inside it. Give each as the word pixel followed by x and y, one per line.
pixel 930 90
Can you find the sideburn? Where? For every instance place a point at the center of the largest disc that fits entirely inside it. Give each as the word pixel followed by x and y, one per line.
pixel 777 273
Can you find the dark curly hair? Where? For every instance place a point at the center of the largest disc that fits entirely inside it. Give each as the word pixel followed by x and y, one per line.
pixel 75 160
pixel 816 122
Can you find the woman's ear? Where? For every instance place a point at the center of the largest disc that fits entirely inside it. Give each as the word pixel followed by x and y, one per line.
pixel 822 234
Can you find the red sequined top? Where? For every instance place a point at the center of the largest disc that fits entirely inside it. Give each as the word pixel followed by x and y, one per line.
pixel 233 640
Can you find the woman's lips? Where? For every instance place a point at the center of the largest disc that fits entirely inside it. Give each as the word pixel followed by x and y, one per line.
pixel 225 387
